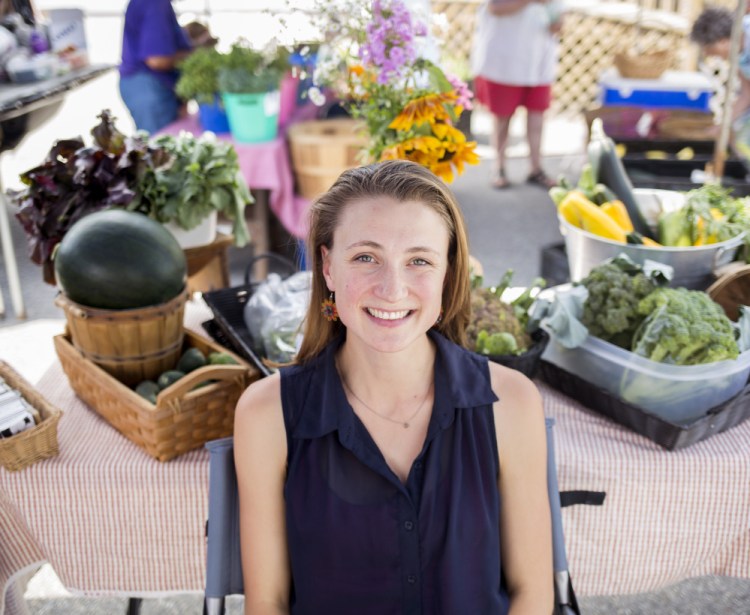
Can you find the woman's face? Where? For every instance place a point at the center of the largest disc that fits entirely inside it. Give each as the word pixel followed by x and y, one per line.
pixel 387 267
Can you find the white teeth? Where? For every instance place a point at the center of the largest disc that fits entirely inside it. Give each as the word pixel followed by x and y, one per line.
pixel 388 315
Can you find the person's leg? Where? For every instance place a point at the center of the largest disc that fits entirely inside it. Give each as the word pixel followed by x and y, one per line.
pixel 500 132
pixel 501 100
pixel 536 100
pixel 152 105
pixel 534 126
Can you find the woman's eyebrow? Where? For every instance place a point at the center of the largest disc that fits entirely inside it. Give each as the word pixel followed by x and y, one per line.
pixel 367 243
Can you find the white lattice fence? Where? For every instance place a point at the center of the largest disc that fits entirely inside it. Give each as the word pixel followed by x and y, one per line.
pixel 588 43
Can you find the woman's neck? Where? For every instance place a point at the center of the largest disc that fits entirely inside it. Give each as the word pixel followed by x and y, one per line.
pixel 387 375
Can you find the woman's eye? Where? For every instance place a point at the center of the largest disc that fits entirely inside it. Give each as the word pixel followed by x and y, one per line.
pixel 420 262
pixel 364 258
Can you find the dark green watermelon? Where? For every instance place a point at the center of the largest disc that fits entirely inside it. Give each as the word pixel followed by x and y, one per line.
pixel 117 259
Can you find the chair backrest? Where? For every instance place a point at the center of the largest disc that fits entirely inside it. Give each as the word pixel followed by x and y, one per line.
pixel 224 565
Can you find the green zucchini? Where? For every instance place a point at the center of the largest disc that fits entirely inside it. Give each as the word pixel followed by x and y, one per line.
pixel 609 170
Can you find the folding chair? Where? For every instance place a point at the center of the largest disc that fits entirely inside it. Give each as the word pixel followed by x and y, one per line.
pixel 224 566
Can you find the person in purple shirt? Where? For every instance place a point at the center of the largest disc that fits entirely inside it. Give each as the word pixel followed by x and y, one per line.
pixel 389 470
pixel 153 43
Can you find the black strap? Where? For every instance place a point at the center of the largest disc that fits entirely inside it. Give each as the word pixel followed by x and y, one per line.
pixel 591 498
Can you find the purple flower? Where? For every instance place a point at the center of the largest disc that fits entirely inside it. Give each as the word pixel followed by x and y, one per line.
pixel 391 35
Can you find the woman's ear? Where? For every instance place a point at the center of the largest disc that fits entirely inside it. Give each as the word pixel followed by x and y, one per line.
pixel 325 259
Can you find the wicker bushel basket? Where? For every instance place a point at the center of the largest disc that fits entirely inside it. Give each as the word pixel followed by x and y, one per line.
pixel 322 150
pixel 37 443
pixel 732 289
pixel 132 345
pixel 646 65
pixel 184 417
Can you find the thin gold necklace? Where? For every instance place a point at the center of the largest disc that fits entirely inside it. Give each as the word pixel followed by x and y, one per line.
pixel 405 424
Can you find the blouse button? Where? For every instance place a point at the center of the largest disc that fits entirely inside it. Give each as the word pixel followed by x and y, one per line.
pixel 418 465
pixel 411 579
pixel 408 526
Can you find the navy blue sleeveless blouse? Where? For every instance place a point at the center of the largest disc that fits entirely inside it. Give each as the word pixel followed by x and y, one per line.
pixel 362 542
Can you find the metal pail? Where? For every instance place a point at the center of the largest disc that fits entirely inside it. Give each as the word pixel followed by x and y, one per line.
pixel 693 266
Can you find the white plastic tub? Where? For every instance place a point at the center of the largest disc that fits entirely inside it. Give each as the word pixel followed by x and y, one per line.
pixel 677 393
pixel 201 235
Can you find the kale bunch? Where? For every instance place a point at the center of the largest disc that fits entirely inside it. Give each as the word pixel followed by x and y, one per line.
pixel 611 310
pixel 684 327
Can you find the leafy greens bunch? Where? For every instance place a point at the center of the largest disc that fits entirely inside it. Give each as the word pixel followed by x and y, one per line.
pixel 201 175
pixel 171 179
pixel 74 181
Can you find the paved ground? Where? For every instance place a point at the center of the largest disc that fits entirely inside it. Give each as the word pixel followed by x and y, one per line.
pixel 507 229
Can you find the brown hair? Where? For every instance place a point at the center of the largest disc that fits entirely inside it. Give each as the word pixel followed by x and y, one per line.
pixel 403 181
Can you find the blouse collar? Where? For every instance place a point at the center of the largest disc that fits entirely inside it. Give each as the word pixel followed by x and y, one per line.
pixel 462 381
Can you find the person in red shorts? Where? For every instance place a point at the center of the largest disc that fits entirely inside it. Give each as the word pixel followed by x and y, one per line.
pixel 514 58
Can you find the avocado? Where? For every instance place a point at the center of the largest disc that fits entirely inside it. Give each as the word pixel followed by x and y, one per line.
pixel 148 389
pixel 221 358
pixel 169 377
pixel 191 359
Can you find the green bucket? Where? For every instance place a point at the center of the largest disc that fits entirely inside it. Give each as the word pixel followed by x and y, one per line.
pixel 253 118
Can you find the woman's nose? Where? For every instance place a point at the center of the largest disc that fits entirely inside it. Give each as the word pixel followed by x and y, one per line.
pixel 392 284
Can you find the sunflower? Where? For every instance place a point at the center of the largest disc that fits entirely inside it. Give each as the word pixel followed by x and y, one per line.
pixel 428 108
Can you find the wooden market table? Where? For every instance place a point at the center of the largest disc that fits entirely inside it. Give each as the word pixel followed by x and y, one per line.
pixel 113 521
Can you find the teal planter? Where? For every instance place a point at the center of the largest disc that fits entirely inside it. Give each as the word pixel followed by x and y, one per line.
pixel 253 118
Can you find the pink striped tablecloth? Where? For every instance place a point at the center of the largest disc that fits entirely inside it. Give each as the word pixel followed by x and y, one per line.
pixel 667 515
pixel 111 520
pixel 265 166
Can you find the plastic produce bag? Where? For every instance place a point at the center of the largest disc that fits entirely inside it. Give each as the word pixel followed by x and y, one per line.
pixel 274 314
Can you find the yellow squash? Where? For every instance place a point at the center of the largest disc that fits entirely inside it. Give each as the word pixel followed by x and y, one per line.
pixel 617 211
pixel 593 219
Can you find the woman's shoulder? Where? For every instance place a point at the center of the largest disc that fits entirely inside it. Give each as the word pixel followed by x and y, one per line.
pixel 520 405
pixel 260 401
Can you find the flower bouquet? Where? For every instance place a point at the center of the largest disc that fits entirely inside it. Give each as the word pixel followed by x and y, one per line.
pixel 409 106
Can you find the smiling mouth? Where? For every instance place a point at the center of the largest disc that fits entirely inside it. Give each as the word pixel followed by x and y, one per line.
pixel 384 315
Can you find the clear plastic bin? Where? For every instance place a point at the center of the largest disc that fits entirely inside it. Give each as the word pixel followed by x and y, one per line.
pixel 677 393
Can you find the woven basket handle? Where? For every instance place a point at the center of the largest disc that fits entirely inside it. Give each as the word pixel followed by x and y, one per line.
pixel 185 384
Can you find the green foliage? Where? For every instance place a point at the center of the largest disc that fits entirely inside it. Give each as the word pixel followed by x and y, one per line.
pixel 684 327
pixel 199 76
pixel 201 175
pixel 245 70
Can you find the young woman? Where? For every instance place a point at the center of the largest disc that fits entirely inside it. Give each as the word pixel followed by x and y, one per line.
pixel 390 470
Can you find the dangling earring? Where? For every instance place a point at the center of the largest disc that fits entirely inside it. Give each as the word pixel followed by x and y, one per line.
pixel 328 308
pixel 439 318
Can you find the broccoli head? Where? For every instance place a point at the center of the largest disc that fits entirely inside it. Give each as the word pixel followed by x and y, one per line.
pixel 492 315
pixel 496 344
pixel 611 309
pixel 684 327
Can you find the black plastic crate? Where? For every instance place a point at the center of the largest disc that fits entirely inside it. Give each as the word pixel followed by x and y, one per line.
pixel 554 264
pixel 228 325
pixel 664 433
pixel 228 305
